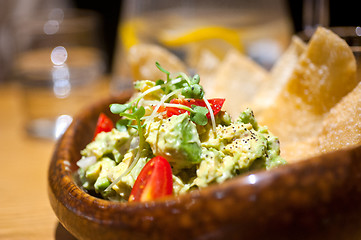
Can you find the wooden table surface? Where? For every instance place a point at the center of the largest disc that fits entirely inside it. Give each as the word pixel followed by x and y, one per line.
pixel 25 212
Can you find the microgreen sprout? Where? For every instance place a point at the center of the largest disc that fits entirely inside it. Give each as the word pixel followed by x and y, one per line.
pixel 193 90
pixel 198 114
pixel 163 70
pixel 132 115
pixel 190 87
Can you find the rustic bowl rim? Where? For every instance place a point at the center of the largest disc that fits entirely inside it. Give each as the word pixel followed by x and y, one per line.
pixel 60 177
pixel 69 178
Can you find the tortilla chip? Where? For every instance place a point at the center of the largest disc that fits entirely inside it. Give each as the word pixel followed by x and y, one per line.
pixel 283 68
pixel 206 67
pixel 325 73
pixel 296 151
pixel 142 58
pixel 342 126
pixel 197 53
pixel 238 78
pixel 279 75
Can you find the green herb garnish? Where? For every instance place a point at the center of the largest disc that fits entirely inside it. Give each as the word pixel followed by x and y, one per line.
pixel 132 115
pixel 190 87
pixel 198 114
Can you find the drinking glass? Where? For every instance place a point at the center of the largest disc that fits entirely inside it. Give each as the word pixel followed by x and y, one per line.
pixel 202 32
pixel 58 68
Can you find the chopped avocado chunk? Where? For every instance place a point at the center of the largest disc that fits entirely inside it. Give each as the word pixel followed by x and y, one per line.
pixel 202 148
pixel 92 173
pixel 176 139
pixel 94 177
pixel 247 116
pixel 239 147
pixel 113 144
pixel 101 184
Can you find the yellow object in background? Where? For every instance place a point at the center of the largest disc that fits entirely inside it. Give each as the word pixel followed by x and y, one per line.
pixel 203 33
pixel 128 34
pixel 128 31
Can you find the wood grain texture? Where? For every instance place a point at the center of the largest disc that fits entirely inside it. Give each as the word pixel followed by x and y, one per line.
pixel 25 211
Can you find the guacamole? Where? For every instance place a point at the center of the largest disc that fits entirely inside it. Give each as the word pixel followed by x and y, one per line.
pixel 174 120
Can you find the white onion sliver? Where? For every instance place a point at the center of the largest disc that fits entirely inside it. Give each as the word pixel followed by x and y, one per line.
pixel 155 88
pixel 86 162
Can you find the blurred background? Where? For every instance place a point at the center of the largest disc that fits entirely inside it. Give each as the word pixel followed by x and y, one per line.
pixel 64 54
pixel 54 61
pixel 12 12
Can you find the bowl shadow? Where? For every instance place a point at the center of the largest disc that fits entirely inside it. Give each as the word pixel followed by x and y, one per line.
pixel 62 234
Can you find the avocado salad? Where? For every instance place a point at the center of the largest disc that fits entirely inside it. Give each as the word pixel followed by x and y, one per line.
pixel 170 139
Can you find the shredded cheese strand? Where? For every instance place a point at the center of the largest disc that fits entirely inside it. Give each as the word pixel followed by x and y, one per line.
pixel 213 121
pixel 176 105
pixel 162 101
pixel 147 92
pixel 185 76
pixel 113 183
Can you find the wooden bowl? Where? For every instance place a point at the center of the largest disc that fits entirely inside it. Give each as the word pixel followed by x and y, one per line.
pixel 319 198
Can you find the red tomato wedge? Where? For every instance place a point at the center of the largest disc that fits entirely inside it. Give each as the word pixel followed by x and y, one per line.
pixel 216 105
pixel 154 181
pixel 104 124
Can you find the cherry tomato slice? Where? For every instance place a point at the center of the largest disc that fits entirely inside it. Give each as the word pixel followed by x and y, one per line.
pixel 154 181
pixel 104 124
pixel 216 105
